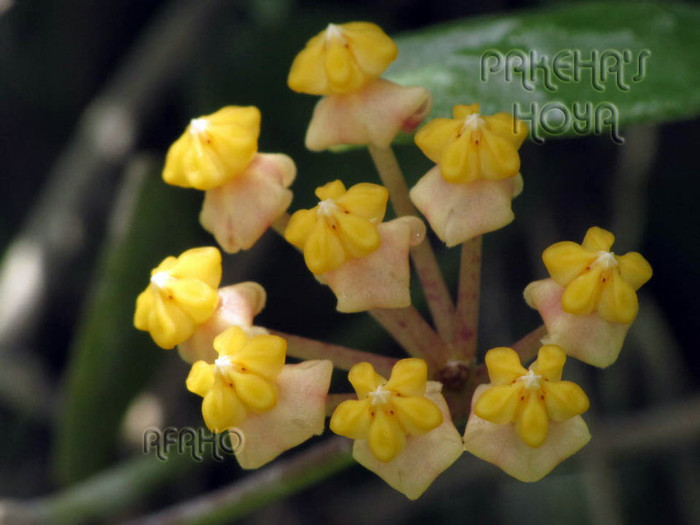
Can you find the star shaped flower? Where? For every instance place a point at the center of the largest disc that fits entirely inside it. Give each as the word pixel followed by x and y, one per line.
pixel 182 295
pixel 526 421
pixel 402 426
pixel 469 192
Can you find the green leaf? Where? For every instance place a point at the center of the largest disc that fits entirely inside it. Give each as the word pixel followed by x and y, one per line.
pixel 110 360
pixel 663 38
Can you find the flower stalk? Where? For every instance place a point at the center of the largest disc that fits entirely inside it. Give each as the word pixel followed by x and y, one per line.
pixel 424 260
pixel 467 313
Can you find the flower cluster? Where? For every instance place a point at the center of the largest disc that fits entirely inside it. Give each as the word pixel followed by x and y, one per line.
pixel 526 420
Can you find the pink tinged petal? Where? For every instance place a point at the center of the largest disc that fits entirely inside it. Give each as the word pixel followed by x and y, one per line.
pixel 382 278
pixel 589 338
pixel 422 459
pixel 300 413
pixel 352 418
pixel 238 305
pixel 618 301
pixel 373 115
pixel 240 211
pixel 459 212
pixel 501 445
pixel 566 260
pixel 634 269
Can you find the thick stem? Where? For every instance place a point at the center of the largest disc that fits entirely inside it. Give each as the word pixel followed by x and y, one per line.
pixel 467 315
pixel 424 260
pixel 343 357
pixel 414 334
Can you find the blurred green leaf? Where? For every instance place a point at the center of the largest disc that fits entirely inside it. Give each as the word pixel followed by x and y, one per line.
pixel 111 361
pixel 663 38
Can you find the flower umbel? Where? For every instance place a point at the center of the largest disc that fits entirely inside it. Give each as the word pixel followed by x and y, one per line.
pixel 241 380
pixel 529 398
pixel 342 59
pixel 386 411
pixel 182 295
pixel 342 226
pixel 214 148
pixel 470 146
pixel 595 279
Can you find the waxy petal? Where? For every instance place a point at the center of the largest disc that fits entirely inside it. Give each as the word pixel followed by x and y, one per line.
pixel 589 338
pixel 258 394
pixel 364 379
pixel 503 365
pixel 408 377
pixel 382 278
pixel 566 260
pixel 300 413
pixel 373 115
pixel 221 407
pixel 459 212
pixel 500 444
pixel 532 424
pixel 564 400
pixel 634 269
pixel 498 404
pixel 385 437
pixel 618 301
pixel 238 305
pixel 200 379
pixel 417 415
pixel 240 211
pixel 423 457
pixel 581 294
pixel 351 418
pixel 598 240
pixel 550 362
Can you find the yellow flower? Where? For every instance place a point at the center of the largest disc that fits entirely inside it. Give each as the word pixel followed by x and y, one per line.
pixel 529 398
pixel 342 59
pixel 214 148
pixel 342 226
pixel 181 296
pixel 241 380
pixel 469 146
pixel 386 411
pixel 595 279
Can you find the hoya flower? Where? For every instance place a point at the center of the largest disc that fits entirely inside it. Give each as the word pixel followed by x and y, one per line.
pixel 245 191
pixel 238 305
pixel 181 296
pixel 591 299
pixel 344 63
pixel 214 148
pixel 342 226
pixel 401 427
pixel 526 421
pixel 469 192
pixel 274 406
pixel 364 262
